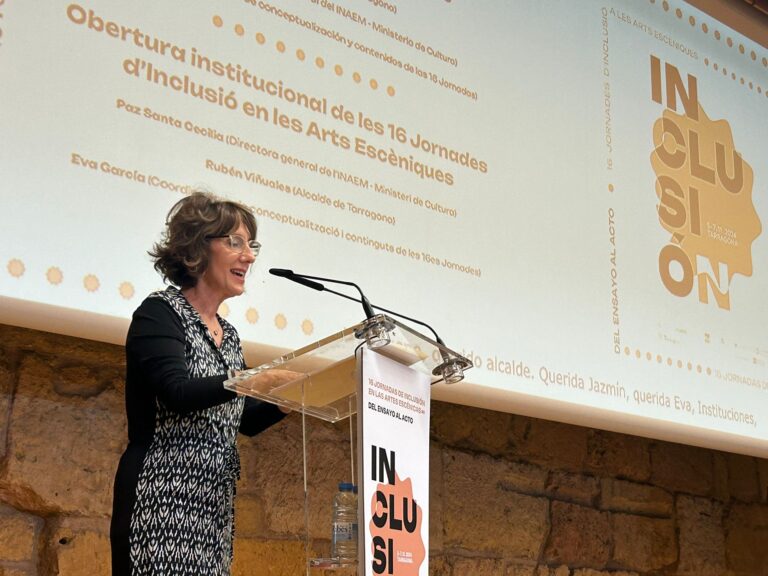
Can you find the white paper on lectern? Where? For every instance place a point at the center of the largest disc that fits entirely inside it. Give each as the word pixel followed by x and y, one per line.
pixel 395 446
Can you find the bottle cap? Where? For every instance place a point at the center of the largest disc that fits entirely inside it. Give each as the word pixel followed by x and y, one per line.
pixel 347 487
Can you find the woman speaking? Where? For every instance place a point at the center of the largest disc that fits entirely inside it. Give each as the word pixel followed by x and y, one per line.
pixel 175 484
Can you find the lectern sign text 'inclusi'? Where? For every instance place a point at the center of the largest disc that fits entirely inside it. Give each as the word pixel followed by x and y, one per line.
pixel 394 440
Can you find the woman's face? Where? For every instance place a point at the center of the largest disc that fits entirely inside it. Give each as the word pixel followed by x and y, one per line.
pixel 227 268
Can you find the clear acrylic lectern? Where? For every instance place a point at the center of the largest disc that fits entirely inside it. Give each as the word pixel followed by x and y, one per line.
pixel 322 381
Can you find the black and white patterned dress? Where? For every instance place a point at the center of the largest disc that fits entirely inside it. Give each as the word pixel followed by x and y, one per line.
pixel 173 508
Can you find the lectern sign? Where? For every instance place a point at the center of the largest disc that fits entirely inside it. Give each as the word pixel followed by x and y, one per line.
pixel 394 440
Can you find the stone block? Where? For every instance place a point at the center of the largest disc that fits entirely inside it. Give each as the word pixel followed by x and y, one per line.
pixel 720 489
pixel 336 571
pixel 516 570
pixel 482 514
pixel 471 428
pixel 524 570
pixel 511 476
pixel 272 471
pixel 63 450
pixel 625 496
pixel 576 488
pixel 590 572
pixel 348 570
pixel 65 349
pixel 746 541
pixel 82 380
pixel 80 548
pixel 521 426
pixel 478 567
pixel 439 566
pixel 762 473
pixel 554 445
pixel 435 498
pixel 250 518
pixel 524 478
pixel 643 544
pixel 18 536
pixel 743 478
pixel 7 381
pixel 268 557
pixel 579 536
pixel 16 571
pixel 701 537
pixel 680 468
pixel 620 455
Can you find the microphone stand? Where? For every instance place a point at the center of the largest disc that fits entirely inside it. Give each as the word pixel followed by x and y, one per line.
pixel 376 329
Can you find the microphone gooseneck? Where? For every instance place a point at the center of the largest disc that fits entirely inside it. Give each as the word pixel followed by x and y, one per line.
pixel 307 280
pixel 367 306
pixel 283 273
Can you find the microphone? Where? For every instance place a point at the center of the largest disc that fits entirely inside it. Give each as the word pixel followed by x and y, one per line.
pixel 282 272
pixel 298 278
pixel 306 280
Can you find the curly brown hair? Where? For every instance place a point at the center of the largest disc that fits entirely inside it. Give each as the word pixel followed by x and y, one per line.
pixel 181 257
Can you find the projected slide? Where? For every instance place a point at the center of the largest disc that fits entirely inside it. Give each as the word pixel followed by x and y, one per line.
pixel 573 194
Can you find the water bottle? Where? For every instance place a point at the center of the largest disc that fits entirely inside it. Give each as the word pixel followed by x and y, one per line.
pixel 344 537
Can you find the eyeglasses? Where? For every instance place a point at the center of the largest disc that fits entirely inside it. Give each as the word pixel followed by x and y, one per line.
pixel 238 244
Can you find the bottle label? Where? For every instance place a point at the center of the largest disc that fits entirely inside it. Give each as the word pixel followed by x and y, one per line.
pixel 344 531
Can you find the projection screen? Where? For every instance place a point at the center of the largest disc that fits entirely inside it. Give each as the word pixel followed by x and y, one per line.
pixel 572 193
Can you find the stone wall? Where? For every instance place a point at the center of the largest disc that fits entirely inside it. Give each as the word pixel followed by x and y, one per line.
pixel 511 496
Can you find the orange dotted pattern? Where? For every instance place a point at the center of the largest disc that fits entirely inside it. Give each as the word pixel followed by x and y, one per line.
pixel 54 275
pixel 281 47
pixel 750 55
pixel 678 363
pixel 16 268
pixel 749 84
pixel 91 282
pixel 126 290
